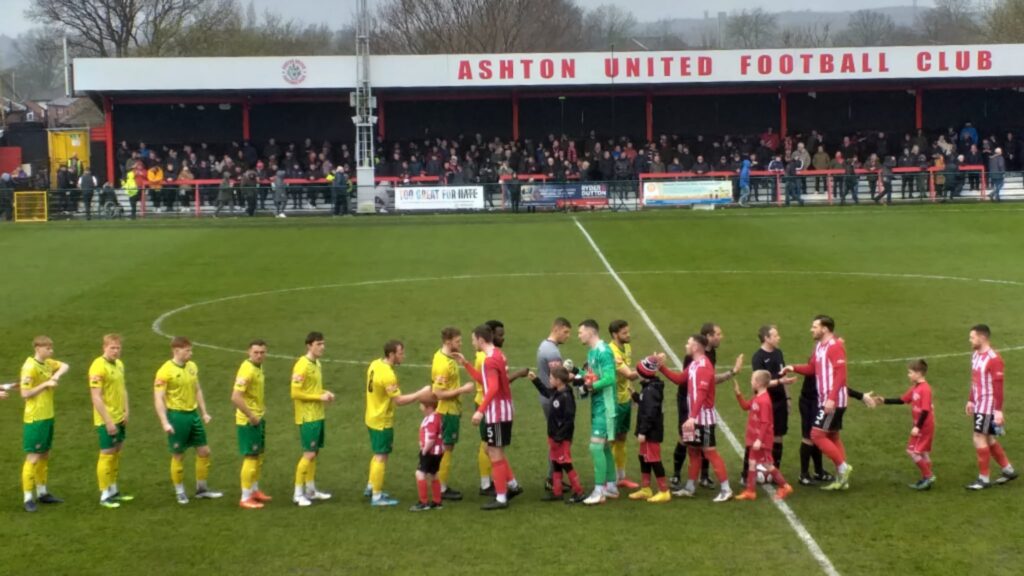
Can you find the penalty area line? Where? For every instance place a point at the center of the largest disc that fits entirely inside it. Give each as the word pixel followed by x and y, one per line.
pixel 791 517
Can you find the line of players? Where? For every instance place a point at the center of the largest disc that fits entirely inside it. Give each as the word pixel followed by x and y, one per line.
pixel 607 379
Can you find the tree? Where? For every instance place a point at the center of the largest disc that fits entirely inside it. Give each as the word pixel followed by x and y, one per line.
pixel 868 28
pixel 476 26
pixel 751 29
pixel 950 22
pixel 40 68
pixel 608 25
pixel 817 35
pixel 1004 21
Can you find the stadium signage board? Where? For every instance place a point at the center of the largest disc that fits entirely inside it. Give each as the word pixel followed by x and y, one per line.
pixel 686 192
pixel 578 194
pixel 439 198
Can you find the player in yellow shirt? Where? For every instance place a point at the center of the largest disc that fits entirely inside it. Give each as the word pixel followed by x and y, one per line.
pixel 382 395
pixel 181 408
pixel 39 376
pixel 250 408
pixel 622 350
pixel 447 387
pixel 110 417
pixel 309 397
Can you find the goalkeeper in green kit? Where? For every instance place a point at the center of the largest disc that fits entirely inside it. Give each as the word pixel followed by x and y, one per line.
pixel 601 379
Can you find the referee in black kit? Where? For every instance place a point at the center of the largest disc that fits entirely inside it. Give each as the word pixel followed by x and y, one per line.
pixel 769 357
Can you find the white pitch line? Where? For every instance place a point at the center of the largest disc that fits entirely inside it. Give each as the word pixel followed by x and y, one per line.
pixel 794 522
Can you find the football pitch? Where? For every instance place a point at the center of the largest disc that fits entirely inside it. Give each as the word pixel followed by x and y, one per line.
pixel 901 282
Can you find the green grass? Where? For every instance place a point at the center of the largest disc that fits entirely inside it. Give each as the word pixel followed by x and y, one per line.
pixel 371 279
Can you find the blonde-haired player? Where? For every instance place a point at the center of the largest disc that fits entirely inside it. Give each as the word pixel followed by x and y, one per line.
pixel 447 387
pixel 181 408
pixel 247 396
pixel 382 395
pixel 110 416
pixel 39 376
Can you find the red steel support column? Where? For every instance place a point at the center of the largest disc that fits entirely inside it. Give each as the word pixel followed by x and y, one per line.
pixel 649 114
pixel 108 121
pixel 783 114
pixel 246 109
pixel 515 116
pixel 918 108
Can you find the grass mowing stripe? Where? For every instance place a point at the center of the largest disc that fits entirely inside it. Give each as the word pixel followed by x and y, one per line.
pixel 791 517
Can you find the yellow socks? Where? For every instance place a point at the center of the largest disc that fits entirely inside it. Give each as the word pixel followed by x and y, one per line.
pixel 445 469
pixel 377 469
pixel 483 461
pixel 178 474
pixel 105 471
pixel 42 473
pixel 28 478
pixel 619 455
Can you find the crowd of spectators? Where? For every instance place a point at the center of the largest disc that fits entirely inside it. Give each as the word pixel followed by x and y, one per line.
pixel 241 175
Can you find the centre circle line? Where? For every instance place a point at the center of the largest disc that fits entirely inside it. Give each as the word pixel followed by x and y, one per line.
pixel 157 326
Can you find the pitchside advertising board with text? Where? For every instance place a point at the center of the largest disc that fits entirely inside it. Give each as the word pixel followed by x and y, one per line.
pixel 439 198
pixel 563 195
pixel 686 192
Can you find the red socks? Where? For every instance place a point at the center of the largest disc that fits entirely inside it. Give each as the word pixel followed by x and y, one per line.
pixel 778 478
pixel 752 480
pixel 556 483
pixel 829 448
pixel 983 455
pixel 645 480
pixel 718 464
pixel 574 481
pixel 500 474
pixel 696 457
pixel 436 489
pixel 421 488
pixel 997 452
pixel 926 467
pixel 662 484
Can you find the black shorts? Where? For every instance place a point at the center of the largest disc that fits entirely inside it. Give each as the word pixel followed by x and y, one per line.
pixel 984 424
pixel 703 437
pixel 429 463
pixel 780 414
pixel 829 422
pixel 499 434
pixel 683 411
pixel 808 408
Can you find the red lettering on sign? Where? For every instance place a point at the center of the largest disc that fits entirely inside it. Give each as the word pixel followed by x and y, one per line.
pixel 764 65
pixel 526 67
pixel 984 60
pixel 744 64
pixel 882 66
pixel 568 68
pixel 865 61
pixel 684 66
pixel 847 65
pixel 924 61
pixel 704 66
pixel 485 70
pixel 828 64
pixel 547 68
pixel 632 67
pixel 963 60
pixel 611 67
pixel 805 59
pixel 786 64
pixel 465 70
pixel 506 69
pixel 666 62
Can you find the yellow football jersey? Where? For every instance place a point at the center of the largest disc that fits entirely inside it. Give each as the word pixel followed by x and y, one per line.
pixel 444 375
pixel 381 388
pixel 307 377
pixel 34 373
pixel 109 378
pixel 478 363
pixel 180 384
pixel 623 357
pixel 249 381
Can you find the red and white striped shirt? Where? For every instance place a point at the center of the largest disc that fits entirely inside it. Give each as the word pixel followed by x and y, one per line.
pixel 430 435
pixel 828 366
pixel 700 383
pixel 987 382
pixel 497 403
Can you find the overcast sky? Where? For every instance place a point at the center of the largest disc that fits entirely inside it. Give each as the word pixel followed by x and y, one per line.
pixel 339 11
